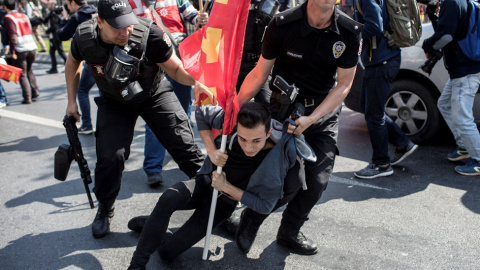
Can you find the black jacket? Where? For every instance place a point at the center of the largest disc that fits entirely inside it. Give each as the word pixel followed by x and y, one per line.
pixel 67 27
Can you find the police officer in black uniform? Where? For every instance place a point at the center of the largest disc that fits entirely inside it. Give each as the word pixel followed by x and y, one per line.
pixel 125 54
pixel 316 47
pixel 259 15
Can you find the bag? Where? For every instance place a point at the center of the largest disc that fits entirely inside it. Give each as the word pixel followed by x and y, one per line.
pixel 470 46
pixel 405 23
pixel 35 21
pixel 10 73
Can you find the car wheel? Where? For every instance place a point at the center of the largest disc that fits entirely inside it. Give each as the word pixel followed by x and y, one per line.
pixel 414 109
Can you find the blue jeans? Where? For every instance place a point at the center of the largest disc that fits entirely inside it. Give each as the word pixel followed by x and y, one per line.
pixel 3 95
pixel 154 153
pixel 382 129
pixel 456 106
pixel 86 83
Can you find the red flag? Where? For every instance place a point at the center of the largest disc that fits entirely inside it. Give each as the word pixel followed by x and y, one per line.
pixel 212 55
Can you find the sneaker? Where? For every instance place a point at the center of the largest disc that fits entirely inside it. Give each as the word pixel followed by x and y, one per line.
pixel 403 152
pixel 472 168
pixel 458 154
pixel 374 171
pixel 2 104
pixel 85 130
pixel 155 179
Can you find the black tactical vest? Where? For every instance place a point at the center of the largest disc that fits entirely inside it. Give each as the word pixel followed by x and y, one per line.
pixel 96 56
pixel 256 23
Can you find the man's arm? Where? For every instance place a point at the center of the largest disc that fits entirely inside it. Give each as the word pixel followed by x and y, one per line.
pixel 372 18
pixel 220 183
pixel 67 29
pixel 255 80
pixel 72 77
pixel 332 101
pixel 447 25
pixel 173 67
pixel 209 117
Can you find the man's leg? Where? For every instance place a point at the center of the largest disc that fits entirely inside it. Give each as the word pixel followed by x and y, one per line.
pixel 21 62
pixel 85 85
pixel 463 94
pixel 154 155
pixel 115 126
pixel 164 115
pixel 251 221
pixel 181 196
pixel 3 96
pixel 31 77
pixel 322 137
pixel 53 58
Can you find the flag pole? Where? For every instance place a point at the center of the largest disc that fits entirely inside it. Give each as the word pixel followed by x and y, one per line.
pixel 213 205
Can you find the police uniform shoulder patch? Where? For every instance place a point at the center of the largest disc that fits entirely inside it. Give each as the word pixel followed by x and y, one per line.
pixel 98 69
pixel 167 40
pixel 338 49
pixel 289 15
pixel 348 23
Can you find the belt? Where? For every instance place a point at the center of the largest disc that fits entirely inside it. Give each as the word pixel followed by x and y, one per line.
pixel 307 102
pixel 250 56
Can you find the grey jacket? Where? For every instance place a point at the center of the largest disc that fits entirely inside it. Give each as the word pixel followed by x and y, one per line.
pixel 265 187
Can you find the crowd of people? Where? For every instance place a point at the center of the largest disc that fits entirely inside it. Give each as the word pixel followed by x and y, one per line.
pixel 313 45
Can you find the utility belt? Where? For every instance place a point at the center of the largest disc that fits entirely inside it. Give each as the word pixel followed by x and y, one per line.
pixel 307 102
pixel 250 57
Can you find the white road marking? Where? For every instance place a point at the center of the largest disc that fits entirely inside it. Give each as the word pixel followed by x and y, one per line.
pixel 31 118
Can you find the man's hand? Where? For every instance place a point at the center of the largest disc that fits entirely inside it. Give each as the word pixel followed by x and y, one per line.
pixel 218 158
pixel 302 124
pixel 72 109
pixel 201 88
pixel 202 18
pixel 219 181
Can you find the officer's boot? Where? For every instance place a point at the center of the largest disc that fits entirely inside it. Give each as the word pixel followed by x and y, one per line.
pixel 101 223
pixel 247 230
pixel 294 239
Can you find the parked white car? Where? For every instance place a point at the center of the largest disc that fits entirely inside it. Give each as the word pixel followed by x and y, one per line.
pixel 412 101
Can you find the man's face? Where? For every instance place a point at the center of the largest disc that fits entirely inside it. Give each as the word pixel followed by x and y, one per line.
pixel 114 36
pixel 71 6
pixel 252 140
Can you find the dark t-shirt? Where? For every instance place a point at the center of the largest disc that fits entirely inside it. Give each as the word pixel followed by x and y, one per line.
pixel 159 47
pixel 309 57
pixel 239 167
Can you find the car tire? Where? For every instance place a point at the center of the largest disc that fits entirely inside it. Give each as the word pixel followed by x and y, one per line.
pixel 414 108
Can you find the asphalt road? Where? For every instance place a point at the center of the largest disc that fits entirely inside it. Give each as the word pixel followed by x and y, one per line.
pixel 425 216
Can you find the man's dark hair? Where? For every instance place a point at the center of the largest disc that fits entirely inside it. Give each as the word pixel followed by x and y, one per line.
pixel 79 2
pixel 252 114
pixel 10 4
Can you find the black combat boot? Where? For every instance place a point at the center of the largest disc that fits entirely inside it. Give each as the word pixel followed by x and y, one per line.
pixel 101 223
pixel 295 240
pixel 247 230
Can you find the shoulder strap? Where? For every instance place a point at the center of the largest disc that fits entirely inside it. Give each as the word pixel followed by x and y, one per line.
pixel 159 21
pixel 289 15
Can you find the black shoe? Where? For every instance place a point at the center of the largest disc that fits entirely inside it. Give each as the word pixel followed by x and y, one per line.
pixel 136 224
pixel 247 230
pixel 101 223
pixel 155 179
pixel 26 101
pixel 231 225
pixel 295 240
pixel 52 71
pixel 136 268
pixel 35 96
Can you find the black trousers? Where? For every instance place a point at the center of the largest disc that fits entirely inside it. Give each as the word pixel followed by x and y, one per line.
pixel 114 135
pixel 187 195
pixel 28 82
pixel 56 45
pixel 322 137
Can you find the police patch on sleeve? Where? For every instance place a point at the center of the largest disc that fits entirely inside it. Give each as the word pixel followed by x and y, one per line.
pixel 167 40
pixel 338 49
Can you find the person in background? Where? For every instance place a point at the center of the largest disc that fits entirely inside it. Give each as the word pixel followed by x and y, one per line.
pixel 53 22
pixel 80 12
pixel 174 15
pixel 22 50
pixel 457 98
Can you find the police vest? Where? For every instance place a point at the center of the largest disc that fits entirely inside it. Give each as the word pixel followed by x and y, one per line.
pixel 256 24
pixel 96 56
pixel 25 41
